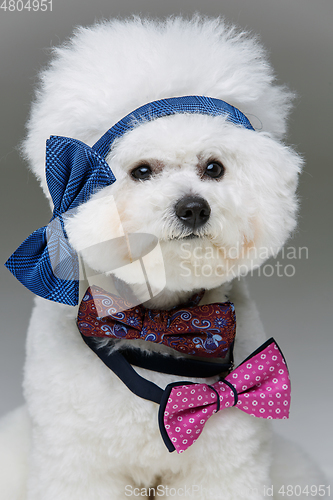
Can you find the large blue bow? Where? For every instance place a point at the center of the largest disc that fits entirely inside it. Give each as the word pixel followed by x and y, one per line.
pixel 73 172
pixel 45 262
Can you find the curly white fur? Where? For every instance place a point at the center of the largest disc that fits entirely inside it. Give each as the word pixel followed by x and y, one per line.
pixel 92 438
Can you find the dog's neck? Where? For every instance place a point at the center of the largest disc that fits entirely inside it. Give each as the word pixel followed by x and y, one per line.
pixel 170 298
pixel 164 300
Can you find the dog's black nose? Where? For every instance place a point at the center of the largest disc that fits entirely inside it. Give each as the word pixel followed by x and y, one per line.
pixel 193 211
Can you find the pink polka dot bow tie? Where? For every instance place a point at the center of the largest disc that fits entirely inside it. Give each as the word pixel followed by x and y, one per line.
pixel 259 386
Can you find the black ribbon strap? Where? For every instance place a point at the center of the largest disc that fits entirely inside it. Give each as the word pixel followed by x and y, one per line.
pixel 120 362
pixel 121 367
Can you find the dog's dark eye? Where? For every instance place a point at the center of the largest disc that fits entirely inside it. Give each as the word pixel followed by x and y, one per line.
pixel 214 169
pixel 142 173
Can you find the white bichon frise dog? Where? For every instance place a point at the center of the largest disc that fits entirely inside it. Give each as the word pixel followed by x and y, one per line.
pixel 169 181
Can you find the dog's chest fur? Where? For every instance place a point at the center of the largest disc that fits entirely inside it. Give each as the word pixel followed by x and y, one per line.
pixel 76 401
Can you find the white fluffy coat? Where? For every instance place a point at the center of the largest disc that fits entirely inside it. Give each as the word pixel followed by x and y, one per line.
pixel 91 438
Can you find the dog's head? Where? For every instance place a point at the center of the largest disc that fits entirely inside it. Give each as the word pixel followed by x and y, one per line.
pixel 220 198
pixel 217 196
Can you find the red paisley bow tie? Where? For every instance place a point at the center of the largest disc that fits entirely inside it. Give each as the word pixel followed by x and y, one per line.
pixel 206 331
pixel 259 386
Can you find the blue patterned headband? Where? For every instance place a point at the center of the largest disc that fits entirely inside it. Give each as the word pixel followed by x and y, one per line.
pixel 75 171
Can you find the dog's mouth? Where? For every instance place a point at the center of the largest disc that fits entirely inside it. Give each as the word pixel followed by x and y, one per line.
pixel 188 236
pixel 191 236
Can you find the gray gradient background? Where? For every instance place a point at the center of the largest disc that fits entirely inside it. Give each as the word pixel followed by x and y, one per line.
pixel 295 310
